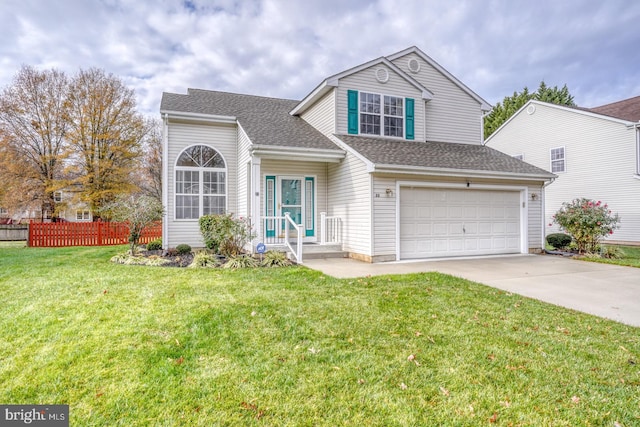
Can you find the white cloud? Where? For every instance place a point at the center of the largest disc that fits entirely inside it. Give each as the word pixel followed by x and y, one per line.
pixel 285 48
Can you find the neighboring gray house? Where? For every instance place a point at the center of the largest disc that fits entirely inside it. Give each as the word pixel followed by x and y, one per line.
pixel 594 152
pixel 385 158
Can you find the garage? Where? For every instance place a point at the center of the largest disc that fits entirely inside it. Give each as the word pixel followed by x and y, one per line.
pixel 444 222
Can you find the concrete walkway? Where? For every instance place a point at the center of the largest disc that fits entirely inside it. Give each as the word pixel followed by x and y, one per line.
pixel 604 290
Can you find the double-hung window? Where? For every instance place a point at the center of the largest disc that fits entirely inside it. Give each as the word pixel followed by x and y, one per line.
pixel 201 183
pixel 381 115
pixel 557 160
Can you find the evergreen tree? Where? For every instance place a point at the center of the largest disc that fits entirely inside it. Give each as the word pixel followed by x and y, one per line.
pixel 510 104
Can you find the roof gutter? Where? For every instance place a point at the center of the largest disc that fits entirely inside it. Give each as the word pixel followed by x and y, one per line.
pixel 420 170
pixel 297 153
pixel 200 117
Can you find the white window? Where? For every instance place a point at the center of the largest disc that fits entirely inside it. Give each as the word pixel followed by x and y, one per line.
pixel 201 183
pixel 386 119
pixel 557 160
pixel 83 215
pixel 518 156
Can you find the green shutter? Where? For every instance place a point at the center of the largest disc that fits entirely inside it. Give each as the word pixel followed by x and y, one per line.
pixel 409 115
pixel 352 106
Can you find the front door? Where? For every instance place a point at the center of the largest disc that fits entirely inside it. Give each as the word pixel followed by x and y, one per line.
pixel 292 195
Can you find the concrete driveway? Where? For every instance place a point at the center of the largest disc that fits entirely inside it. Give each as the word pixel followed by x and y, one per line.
pixel 604 290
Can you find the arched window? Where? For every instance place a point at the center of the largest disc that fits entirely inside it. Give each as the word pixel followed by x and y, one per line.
pixel 201 183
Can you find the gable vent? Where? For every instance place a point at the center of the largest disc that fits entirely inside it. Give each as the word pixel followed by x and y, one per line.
pixel 414 65
pixel 382 75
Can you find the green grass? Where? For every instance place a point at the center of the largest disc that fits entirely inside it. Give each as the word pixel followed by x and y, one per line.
pixel 141 346
pixel 630 258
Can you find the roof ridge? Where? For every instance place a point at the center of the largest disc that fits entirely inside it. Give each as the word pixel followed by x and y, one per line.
pixel 190 90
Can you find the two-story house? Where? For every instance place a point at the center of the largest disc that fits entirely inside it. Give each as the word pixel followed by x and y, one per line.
pixel 386 158
pixel 595 153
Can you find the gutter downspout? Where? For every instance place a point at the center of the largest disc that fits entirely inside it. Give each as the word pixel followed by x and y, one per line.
pixel 544 213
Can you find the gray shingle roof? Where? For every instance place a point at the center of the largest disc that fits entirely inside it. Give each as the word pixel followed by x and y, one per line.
pixel 265 120
pixel 627 109
pixel 439 155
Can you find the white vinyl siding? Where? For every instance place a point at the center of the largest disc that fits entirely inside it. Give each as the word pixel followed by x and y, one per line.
pixel 222 138
pixel 349 190
pixel 452 115
pixel 365 81
pixel 601 161
pixel 322 114
pixel 243 207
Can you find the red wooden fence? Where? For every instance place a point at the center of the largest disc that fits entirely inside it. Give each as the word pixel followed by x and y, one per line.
pixel 57 234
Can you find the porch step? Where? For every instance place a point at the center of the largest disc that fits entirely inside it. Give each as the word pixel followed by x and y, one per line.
pixel 324 255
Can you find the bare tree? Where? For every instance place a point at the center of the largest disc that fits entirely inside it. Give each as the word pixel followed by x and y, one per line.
pixel 106 134
pixel 33 122
pixel 151 170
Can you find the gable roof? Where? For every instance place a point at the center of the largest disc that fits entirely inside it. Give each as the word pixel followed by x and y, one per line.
pixel 627 109
pixel 577 110
pixel 266 121
pixel 484 105
pixel 329 83
pixel 390 154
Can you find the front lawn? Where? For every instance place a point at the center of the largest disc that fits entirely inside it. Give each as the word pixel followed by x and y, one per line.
pixel 141 346
pixel 630 257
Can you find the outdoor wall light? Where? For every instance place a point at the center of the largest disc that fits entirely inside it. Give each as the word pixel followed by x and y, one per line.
pixel 389 192
pixel 534 196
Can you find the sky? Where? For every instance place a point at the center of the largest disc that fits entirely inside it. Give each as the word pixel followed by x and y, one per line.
pixel 285 48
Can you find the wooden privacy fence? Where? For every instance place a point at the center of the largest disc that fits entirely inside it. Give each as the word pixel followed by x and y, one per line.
pixel 57 234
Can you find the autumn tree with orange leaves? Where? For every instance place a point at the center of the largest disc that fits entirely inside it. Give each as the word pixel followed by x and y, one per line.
pixel 105 136
pixel 32 146
pixel 58 131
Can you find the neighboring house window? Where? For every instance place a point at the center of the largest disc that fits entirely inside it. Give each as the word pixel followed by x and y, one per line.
pixel 557 160
pixel 381 115
pixel 518 156
pixel 201 183
pixel 57 196
pixel 83 215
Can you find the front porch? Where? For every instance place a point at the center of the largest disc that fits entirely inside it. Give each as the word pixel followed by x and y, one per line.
pixel 287 234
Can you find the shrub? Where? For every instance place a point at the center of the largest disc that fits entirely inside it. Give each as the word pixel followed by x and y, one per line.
pixel 611 252
pixel 225 234
pixel 587 221
pixel 128 259
pixel 171 252
pixel 154 245
pixel 275 259
pixel 183 249
pixel 559 240
pixel 241 261
pixel 204 260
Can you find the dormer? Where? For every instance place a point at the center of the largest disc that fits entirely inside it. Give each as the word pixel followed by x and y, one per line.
pixel 406 95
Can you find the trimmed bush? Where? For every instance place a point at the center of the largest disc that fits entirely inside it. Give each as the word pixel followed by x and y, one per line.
pixel 225 234
pixel 183 249
pixel 559 240
pixel 154 245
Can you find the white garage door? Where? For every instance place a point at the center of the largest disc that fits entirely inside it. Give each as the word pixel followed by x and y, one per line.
pixel 442 222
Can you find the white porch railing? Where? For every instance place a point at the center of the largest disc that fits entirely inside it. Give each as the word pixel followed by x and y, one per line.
pixel 331 229
pixel 282 230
